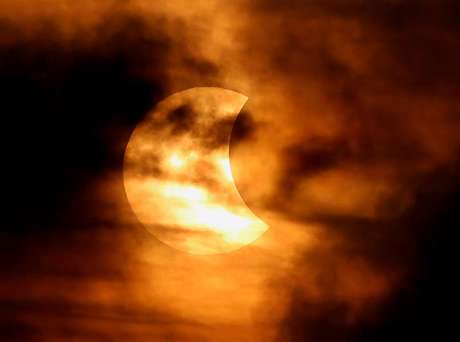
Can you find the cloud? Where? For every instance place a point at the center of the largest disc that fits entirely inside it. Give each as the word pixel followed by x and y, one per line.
pixel 348 147
pixel 358 120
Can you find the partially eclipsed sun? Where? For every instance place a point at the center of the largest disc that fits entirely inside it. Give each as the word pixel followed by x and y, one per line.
pixel 178 177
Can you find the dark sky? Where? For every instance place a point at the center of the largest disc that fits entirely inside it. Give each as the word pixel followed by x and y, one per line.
pixel 354 127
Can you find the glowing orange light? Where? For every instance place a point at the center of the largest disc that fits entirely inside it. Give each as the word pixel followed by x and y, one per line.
pixel 176 162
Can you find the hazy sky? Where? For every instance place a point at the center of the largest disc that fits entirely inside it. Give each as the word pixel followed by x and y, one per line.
pixel 348 148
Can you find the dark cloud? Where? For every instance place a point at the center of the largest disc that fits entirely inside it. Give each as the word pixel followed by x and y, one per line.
pixel 83 321
pixel 312 157
pixel 319 322
pixel 373 116
pixel 368 90
pixel 69 103
pixel 182 119
pixel 218 134
pixel 17 331
pixel 420 308
pixel 243 128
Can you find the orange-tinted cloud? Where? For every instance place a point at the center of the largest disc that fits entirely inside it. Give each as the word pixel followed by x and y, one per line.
pixel 347 147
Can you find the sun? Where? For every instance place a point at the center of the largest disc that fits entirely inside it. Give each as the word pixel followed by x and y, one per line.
pixel 179 185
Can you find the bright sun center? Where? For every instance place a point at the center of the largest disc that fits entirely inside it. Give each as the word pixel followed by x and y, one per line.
pixel 176 162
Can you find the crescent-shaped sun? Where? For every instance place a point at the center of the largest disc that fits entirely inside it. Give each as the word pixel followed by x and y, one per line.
pixel 178 178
